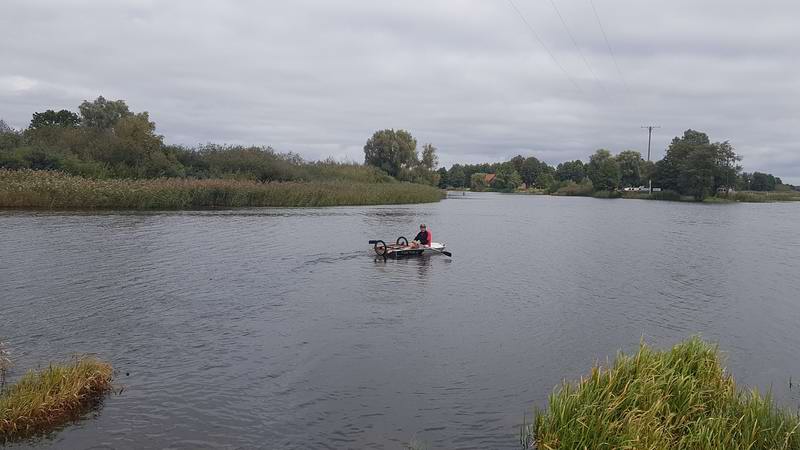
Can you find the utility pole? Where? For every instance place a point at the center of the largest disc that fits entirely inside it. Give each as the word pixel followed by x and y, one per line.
pixel 649 139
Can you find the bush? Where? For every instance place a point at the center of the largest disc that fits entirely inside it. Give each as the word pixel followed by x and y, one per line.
pixel 607 194
pixel 571 188
pixel 676 399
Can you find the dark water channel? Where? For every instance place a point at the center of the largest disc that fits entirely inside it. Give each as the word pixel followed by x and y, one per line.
pixel 276 328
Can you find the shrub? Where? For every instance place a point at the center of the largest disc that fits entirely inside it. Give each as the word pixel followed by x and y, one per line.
pixel 607 194
pixel 571 188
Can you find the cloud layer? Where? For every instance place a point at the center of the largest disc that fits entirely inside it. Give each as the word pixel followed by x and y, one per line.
pixel 319 77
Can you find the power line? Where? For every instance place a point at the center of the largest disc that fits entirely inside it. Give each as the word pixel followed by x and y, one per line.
pixel 608 44
pixel 541 42
pixel 575 43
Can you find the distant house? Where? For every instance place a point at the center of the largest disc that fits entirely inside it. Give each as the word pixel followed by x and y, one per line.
pixel 489 178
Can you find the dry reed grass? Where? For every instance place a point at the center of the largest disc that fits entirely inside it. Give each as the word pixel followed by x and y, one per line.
pixel 57 190
pixel 42 400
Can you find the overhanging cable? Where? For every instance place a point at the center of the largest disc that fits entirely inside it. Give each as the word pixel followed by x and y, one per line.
pixel 575 43
pixel 608 44
pixel 541 42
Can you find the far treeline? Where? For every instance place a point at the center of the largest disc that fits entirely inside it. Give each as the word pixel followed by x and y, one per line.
pixel 693 166
pixel 105 140
pixel 106 156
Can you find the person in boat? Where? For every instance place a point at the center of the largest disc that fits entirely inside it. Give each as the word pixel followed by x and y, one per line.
pixel 423 238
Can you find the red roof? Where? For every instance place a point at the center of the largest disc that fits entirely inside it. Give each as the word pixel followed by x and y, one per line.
pixel 489 178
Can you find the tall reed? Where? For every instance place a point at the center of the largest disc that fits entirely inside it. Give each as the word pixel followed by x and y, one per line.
pixel 763 197
pixel 57 190
pixel 42 400
pixel 5 365
pixel 675 399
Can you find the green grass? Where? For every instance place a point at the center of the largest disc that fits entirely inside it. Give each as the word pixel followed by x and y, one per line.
pixel 57 190
pixel 763 197
pixel 675 399
pixel 40 401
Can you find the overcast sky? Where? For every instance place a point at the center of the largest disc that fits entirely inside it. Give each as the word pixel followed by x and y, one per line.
pixel 318 77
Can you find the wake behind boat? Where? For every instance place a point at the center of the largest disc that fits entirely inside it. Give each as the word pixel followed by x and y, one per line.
pixel 401 249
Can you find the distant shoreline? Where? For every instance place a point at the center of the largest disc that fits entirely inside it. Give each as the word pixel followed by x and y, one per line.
pixel 736 197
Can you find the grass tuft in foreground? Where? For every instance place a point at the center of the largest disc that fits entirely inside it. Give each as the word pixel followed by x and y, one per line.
pixel 676 399
pixel 42 400
pixel 57 190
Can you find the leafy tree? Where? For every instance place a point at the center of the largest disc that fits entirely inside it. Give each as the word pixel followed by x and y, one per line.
pixel 630 164
pixel 546 181
pixel 517 162
pixel 391 151
pixel 137 144
pixel 9 138
pixel 456 177
pixel 603 170
pixel 103 114
pixel 647 170
pixel 444 181
pixel 762 182
pixel 670 168
pixel 530 169
pixel 50 118
pixel 507 178
pixel 571 170
pixel 693 165
pixel 478 182
pixel 697 175
pixel 429 158
pixel 4 127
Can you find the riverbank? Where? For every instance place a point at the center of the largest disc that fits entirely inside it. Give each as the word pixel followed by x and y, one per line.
pixel 736 197
pixel 41 401
pixel 678 398
pixel 57 190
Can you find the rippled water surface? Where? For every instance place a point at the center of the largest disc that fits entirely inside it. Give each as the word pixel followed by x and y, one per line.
pixel 276 328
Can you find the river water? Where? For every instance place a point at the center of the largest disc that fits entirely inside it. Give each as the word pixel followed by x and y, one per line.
pixel 276 328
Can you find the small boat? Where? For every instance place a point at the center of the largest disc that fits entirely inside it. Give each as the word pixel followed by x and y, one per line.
pixel 401 249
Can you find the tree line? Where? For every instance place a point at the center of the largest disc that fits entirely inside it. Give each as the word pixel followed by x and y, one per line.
pixel 692 166
pixel 105 139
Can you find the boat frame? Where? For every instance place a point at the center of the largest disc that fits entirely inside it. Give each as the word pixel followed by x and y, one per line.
pixel 402 249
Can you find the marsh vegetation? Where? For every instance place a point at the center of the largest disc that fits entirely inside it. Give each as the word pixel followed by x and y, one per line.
pixel 681 398
pixel 57 190
pixel 43 400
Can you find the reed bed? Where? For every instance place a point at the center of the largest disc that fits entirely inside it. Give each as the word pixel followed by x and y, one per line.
pixel 675 399
pixel 40 401
pixel 762 197
pixel 57 190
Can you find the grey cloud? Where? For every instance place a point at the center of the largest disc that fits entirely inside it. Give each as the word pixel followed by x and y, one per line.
pixel 319 77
